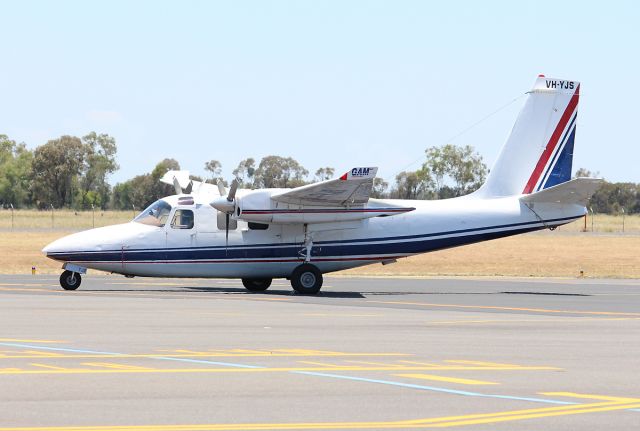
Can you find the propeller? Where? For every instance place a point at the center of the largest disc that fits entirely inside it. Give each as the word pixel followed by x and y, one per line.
pixel 176 186
pixel 227 205
pixel 221 188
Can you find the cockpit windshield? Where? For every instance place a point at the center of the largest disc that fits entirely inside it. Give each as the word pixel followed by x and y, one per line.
pixel 155 215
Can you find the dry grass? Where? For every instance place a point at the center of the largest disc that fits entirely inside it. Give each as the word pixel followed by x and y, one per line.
pixel 551 254
pixel 545 254
pixel 22 251
pixel 79 220
pixel 605 223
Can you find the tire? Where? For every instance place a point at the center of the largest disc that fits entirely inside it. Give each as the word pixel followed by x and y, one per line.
pixel 70 280
pixel 306 279
pixel 256 284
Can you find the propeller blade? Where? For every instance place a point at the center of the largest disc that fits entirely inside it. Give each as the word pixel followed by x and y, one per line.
pixel 221 188
pixel 176 185
pixel 232 193
pixel 226 233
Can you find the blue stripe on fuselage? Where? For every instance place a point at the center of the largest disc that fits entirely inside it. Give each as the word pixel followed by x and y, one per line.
pixel 361 247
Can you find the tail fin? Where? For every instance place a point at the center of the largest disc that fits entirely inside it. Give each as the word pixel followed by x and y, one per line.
pixel 539 151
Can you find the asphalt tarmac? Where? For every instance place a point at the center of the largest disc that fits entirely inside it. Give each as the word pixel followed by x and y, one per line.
pixel 367 353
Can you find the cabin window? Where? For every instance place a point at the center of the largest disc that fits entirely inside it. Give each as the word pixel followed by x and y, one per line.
pixel 155 214
pixel 222 222
pixel 258 226
pixel 182 219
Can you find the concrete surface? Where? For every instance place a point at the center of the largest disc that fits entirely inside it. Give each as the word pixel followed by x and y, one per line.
pixel 171 355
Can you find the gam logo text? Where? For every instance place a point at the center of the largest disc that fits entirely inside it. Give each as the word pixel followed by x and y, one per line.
pixel 360 172
pixel 561 85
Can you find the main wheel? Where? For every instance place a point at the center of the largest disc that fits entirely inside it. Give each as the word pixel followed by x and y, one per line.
pixel 306 279
pixel 256 284
pixel 70 280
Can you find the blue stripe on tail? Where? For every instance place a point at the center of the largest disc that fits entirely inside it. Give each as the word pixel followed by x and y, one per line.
pixel 561 172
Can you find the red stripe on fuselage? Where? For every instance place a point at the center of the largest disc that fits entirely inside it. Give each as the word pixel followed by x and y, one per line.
pixel 553 141
pixel 329 211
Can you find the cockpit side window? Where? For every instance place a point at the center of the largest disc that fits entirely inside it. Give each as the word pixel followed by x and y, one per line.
pixel 155 215
pixel 182 219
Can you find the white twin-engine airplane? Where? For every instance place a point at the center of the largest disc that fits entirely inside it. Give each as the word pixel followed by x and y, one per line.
pixel 302 233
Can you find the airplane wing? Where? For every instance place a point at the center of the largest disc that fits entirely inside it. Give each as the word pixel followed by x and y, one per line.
pixel 354 187
pixel 577 191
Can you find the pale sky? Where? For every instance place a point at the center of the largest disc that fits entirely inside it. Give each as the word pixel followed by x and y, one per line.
pixel 329 83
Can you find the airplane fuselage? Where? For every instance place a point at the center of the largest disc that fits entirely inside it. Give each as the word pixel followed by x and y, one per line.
pixel 139 249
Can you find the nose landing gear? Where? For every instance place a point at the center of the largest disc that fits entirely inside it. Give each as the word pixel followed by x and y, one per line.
pixel 70 280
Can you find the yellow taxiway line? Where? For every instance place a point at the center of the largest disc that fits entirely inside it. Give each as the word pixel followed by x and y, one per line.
pixel 446 379
pixel 492 307
pixel 438 422
pixel 193 355
pixel 264 370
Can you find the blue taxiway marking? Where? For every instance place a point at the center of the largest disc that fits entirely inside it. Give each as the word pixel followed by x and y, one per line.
pixel 59 349
pixel 201 361
pixel 95 352
pixel 311 373
pixel 433 388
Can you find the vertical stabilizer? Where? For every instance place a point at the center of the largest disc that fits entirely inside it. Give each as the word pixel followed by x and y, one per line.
pixel 539 151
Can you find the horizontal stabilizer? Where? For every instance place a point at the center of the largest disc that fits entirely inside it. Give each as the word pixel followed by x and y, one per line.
pixel 574 192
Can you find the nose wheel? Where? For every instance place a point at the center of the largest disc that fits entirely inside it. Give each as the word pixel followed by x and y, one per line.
pixel 70 280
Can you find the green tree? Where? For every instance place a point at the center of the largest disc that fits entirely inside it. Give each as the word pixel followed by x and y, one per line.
pixel 245 172
pixel 585 173
pixel 279 172
pixel 462 165
pixel 412 185
pixel 142 190
pixel 57 166
pixel 611 198
pixel 215 168
pixel 324 174
pixel 15 173
pixel 100 162
pixel 379 188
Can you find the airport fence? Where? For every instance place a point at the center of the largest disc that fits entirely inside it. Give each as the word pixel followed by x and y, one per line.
pixel 70 220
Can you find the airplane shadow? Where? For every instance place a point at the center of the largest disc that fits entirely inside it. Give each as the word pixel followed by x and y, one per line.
pixel 472 293
pixel 326 294
pixel 234 291
pixel 545 293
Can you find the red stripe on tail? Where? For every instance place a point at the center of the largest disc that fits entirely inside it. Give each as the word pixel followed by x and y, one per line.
pixel 553 141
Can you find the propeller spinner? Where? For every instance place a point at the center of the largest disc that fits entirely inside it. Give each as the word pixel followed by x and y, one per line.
pixel 226 204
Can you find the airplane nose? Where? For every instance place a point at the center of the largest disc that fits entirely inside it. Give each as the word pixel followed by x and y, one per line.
pixel 98 239
pixel 60 245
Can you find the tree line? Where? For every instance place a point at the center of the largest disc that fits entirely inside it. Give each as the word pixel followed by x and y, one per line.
pixel 73 172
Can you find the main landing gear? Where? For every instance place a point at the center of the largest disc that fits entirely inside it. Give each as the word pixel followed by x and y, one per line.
pixel 256 284
pixel 70 280
pixel 306 279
